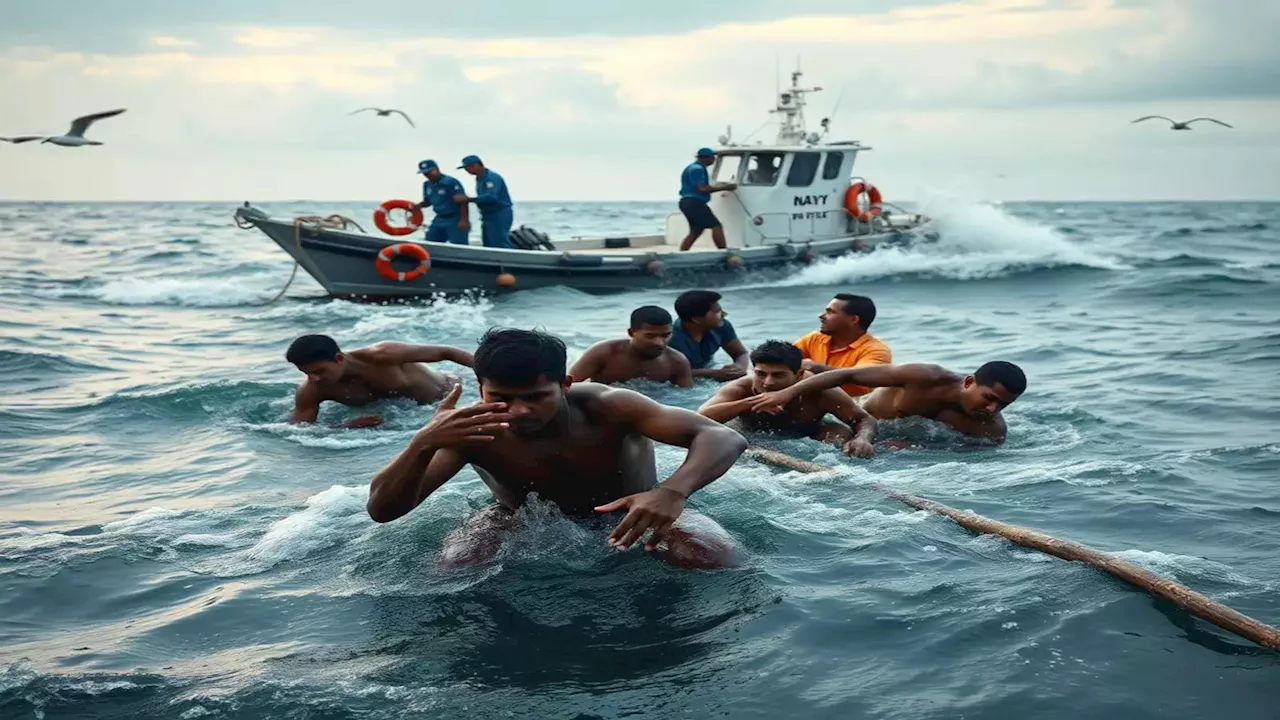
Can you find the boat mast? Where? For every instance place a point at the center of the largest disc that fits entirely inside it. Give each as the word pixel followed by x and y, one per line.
pixel 791 102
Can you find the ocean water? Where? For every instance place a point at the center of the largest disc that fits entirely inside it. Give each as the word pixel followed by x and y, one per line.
pixel 171 547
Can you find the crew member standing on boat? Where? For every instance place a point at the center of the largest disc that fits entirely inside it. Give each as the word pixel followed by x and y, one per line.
pixel 496 216
pixel 695 193
pixel 452 222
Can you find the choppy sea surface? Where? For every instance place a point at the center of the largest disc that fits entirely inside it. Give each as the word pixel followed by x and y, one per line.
pixel 171 547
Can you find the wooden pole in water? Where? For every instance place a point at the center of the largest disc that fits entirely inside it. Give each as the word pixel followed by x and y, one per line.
pixel 1184 597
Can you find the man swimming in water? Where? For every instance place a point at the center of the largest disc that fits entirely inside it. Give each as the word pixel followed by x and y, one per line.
pixel 381 371
pixel 969 404
pixel 644 354
pixel 588 448
pixel 775 365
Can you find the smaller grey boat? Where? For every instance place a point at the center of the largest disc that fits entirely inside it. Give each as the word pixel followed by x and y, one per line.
pixel 796 203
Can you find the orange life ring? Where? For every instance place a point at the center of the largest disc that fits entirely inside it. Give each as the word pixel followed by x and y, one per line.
pixel 391 252
pixel 851 200
pixel 380 217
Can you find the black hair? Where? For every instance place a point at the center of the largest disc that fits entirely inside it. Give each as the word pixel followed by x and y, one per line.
pixel 695 303
pixel 519 357
pixel 999 372
pixel 649 315
pixel 311 348
pixel 859 305
pixel 777 351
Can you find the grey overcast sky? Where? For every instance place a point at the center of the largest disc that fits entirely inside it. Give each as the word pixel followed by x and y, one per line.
pixel 607 100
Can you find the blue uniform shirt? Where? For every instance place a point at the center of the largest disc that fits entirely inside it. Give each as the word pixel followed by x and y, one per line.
pixel 691 178
pixel 440 195
pixel 491 193
pixel 700 353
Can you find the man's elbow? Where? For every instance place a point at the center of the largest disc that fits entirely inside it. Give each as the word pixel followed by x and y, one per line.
pixel 380 512
pixel 733 439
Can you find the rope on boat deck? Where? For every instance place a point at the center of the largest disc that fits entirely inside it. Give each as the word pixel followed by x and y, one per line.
pixel 340 222
pixel 1181 596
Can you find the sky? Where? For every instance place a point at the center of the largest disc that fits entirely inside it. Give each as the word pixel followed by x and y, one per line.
pixel 608 100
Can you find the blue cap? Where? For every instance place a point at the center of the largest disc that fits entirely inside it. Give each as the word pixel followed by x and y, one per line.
pixel 426 165
pixel 706 152
pixel 468 160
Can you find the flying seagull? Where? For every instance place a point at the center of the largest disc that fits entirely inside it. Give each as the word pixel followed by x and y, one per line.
pixel 385 113
pixel 74 137
pixel 1180 125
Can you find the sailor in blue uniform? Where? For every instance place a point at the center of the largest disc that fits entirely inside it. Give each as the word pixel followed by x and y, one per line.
pixel 494 203
pixel 448 200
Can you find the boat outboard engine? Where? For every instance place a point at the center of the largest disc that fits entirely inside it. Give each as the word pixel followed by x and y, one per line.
pixel 526 238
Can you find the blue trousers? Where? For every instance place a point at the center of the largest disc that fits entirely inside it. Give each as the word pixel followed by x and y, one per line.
pixel 446 230
pixel 496 228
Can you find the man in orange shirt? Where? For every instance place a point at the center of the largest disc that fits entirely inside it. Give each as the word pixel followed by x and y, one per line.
pixel 842 340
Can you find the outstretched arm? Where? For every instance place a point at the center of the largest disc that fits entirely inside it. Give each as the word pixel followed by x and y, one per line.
pixel 729 402
pixel 713 449
pixel 739 353
pixel 399 353
pixel 838 403
pixel 868 376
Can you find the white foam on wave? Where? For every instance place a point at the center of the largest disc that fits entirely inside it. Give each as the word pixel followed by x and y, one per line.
pixel 327 518
pixel 1185 567
pixel 976 241
pixel 184 291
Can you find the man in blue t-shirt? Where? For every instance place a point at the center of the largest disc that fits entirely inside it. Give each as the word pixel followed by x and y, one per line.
pixel 494 202
pixel 695 193
pixel 447 199
pixel 702 331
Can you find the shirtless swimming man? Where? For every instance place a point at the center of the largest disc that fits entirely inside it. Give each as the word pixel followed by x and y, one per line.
pixel 382 370
pixel 644 354
pixel 775 365
pixel 969 404
pixel 588 448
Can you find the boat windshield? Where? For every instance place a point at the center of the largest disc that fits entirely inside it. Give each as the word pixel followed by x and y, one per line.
pixel 727 168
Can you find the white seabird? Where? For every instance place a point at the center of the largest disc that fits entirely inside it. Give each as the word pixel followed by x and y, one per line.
pixel 1179 125
pixel 74 137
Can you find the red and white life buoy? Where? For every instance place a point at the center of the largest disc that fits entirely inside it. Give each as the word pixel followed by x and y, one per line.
pixel 854 192
pixel 415 217
pixel 391 252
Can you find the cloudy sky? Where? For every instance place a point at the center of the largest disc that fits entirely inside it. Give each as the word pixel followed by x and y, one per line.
pixel 607 99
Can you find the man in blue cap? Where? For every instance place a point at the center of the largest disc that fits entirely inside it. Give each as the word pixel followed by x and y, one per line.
pixel 448 200
pixel 695 193
pixel 493 201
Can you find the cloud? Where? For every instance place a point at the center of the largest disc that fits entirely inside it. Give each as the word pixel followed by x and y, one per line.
pixel 926 83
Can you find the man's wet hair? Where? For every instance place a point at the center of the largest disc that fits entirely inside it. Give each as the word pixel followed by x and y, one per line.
pixel 777 351
pixel 649 315
pixel 312 348
pixel 859 305
pixel 999 372
pixel 695 303
pixel 519 358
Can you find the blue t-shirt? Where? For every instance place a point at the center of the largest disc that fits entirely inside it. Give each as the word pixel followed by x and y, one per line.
pixel 440 195
pixel 700 353
pixel 691 178
pixel 491 193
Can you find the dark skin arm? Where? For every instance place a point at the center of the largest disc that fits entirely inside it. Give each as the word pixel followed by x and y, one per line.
pixel 735 369
pixel 713 449
pixel 435 454
pixel 867 376
pixel 730 401
pixel 683 374
pixel 838 403
pixel 306 409
pixel 591 362
pixel 398 353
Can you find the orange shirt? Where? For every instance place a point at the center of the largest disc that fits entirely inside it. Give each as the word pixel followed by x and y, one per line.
pixel 866 350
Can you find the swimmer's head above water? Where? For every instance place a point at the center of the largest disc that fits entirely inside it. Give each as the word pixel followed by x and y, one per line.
pixel 775 365
pixel 318 356
pixel 525 369
pixel 992 388
pixel 650 331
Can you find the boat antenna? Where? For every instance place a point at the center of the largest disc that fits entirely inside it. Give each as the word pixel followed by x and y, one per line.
pixel 826 121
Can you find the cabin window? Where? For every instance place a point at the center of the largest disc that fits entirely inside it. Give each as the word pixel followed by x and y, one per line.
pixel 831 168
pixel 804 166
pixel 726 169
pixel 762 168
